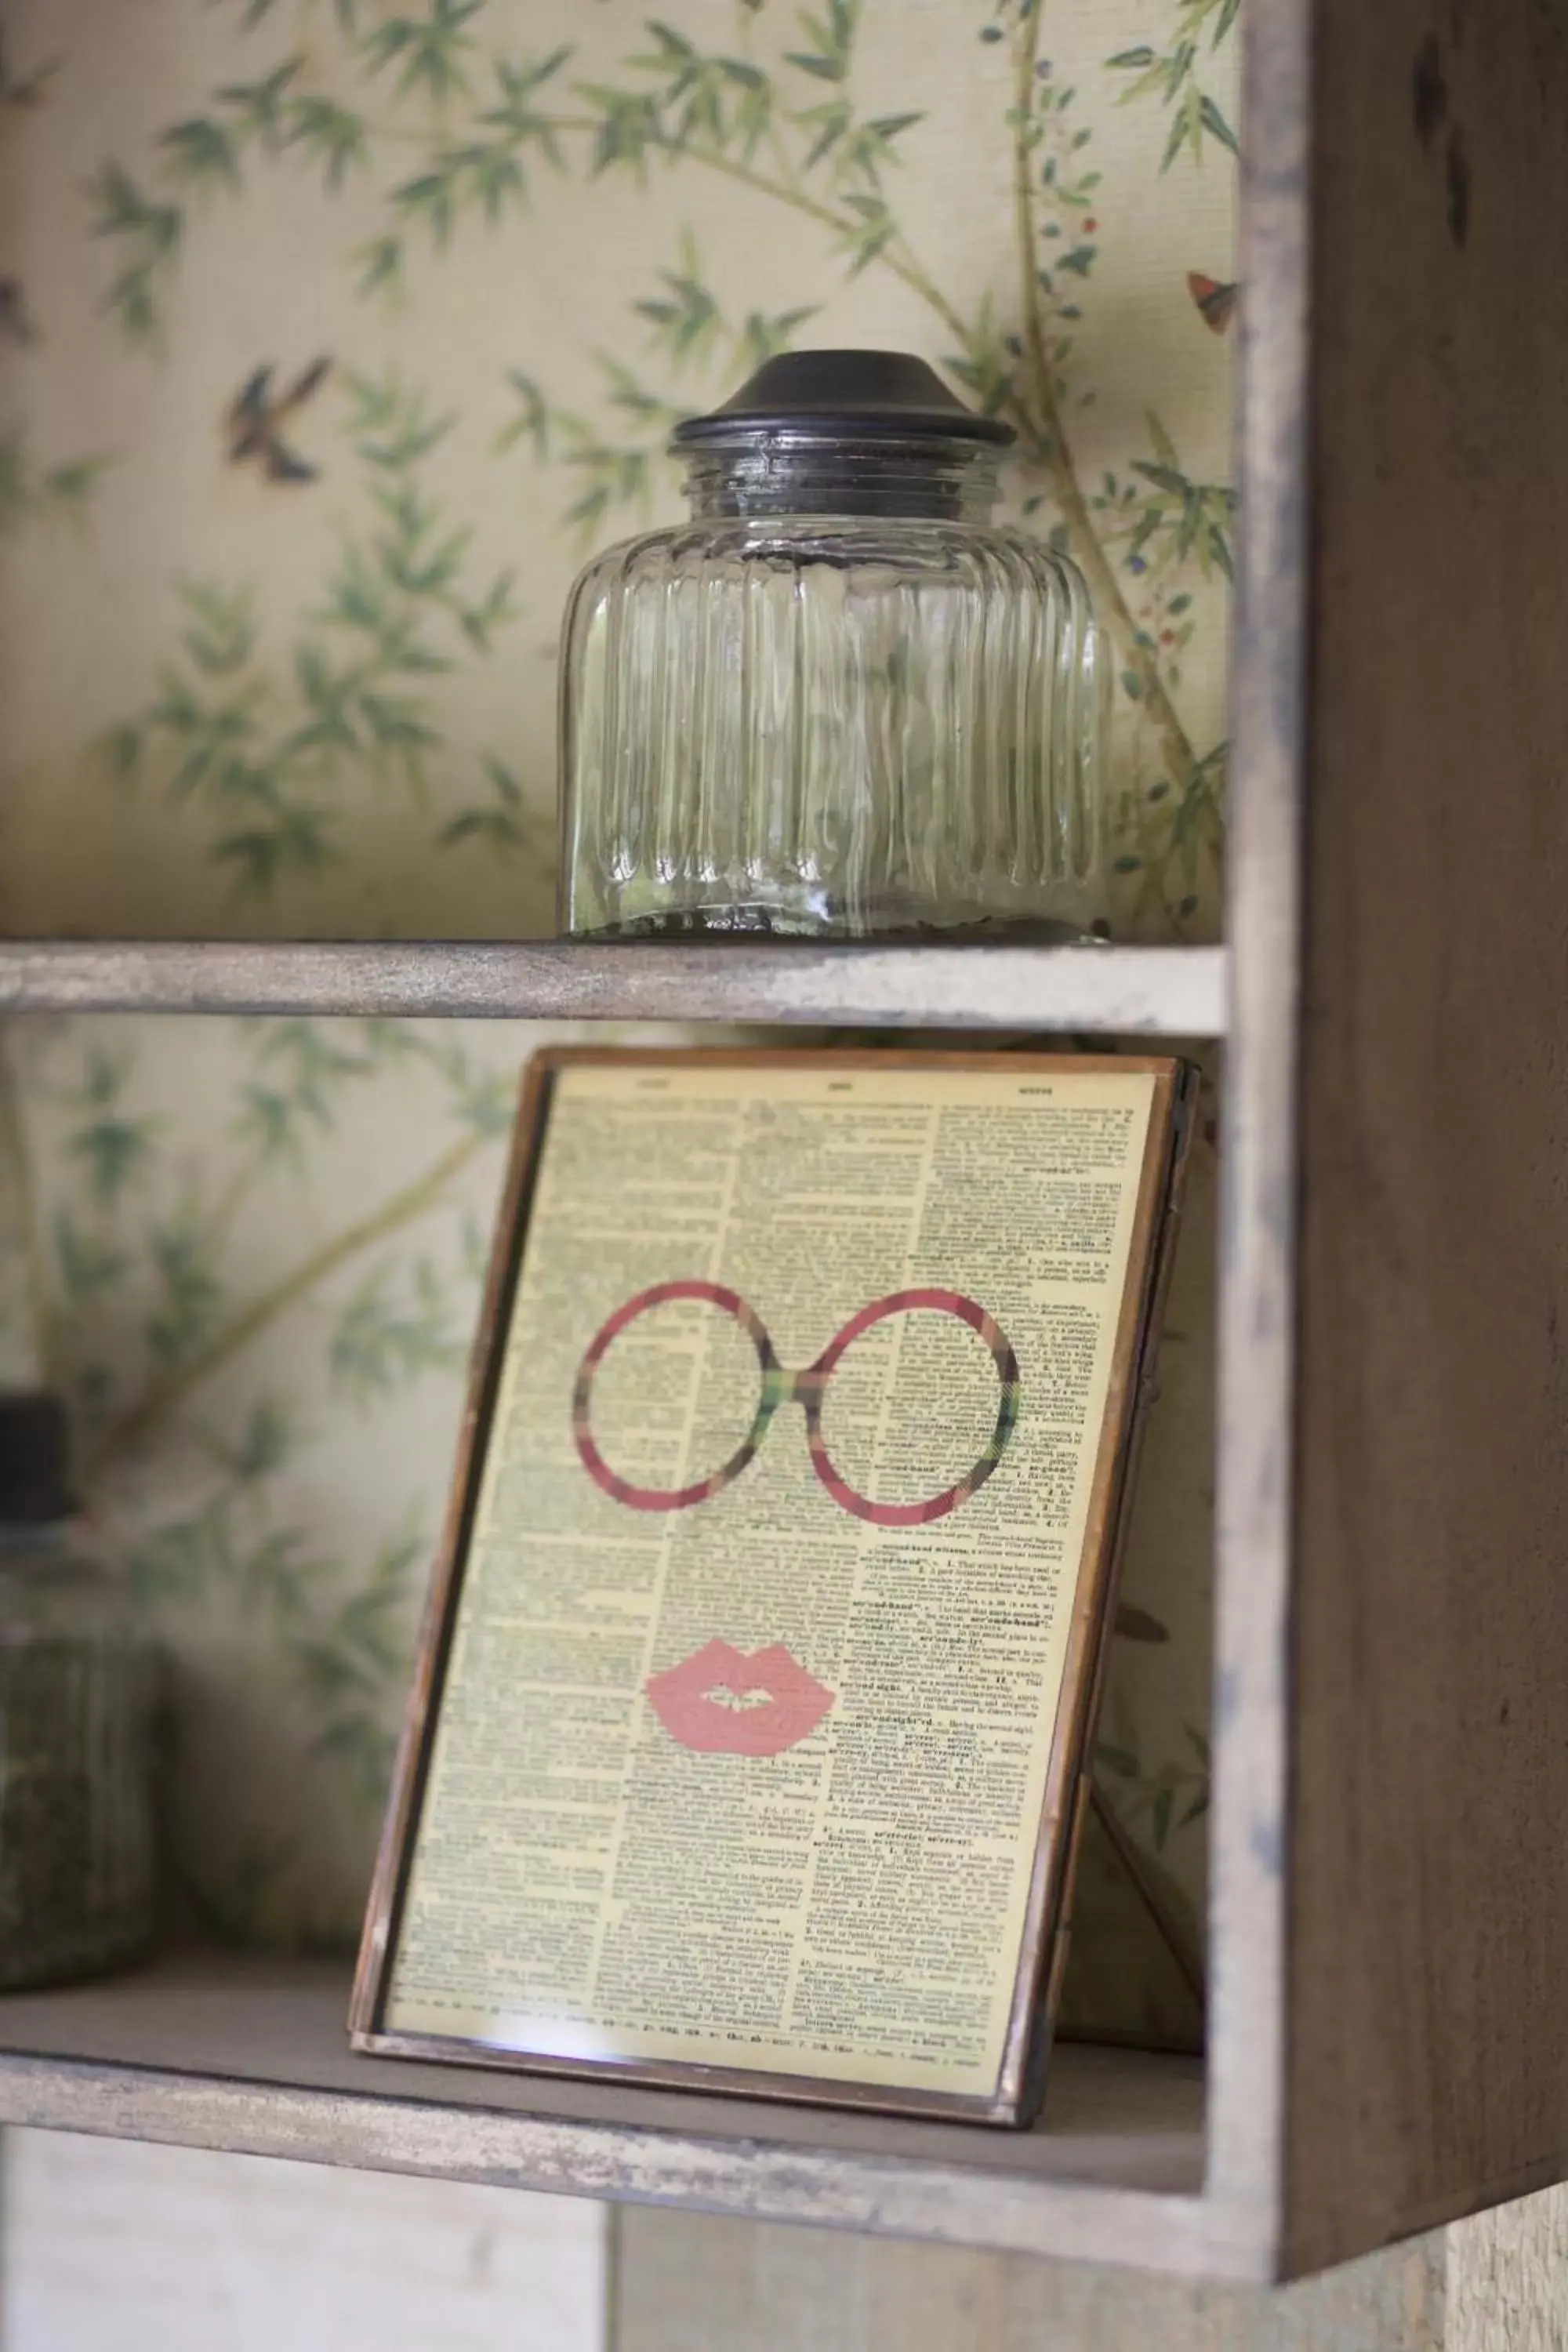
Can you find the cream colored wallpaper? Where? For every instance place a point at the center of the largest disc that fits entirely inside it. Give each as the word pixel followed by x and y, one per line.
pixel 335 332
pixel 332 335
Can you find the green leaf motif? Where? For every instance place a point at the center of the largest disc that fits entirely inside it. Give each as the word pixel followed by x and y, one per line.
pixel 687 320
pixel 191 1293
pixel 114 1151
pixel 221 636
pixel 201 151
pixel 1170 74
pixel 295 844
pixel 381 266
pixel 428 51
pixel 257 106
pixel 148 233
pixel 88 1266
pixel 831 55
pixel 502 823
pixel 330 134
pixel 628 126
pixel 1215 124
pixel 384 1341
pixel 32 493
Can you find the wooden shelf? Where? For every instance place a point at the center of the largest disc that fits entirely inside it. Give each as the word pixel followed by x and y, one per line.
pixel 1101 990
pixel 253 2055
pixel 1388 1913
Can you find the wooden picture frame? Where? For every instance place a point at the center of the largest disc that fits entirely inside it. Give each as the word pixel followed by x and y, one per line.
pixel 1024 1083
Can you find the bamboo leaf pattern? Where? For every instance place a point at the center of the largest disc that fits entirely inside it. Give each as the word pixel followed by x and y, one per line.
pixel 262 752
pixel 248 1312
pixel 1165 1798
pixel 162 1340
pixel 30 492
pixel 1172 75
pixel 481 119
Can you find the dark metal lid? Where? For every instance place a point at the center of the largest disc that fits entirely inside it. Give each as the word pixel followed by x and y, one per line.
pixel 35 1484
pixel 842 395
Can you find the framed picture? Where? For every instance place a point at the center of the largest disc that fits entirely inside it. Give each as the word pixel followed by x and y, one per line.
pixel 748 1743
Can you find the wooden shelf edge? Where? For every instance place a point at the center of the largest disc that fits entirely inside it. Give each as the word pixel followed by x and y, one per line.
pixel 940 2203
pixel 1103 991
pixel 249 2053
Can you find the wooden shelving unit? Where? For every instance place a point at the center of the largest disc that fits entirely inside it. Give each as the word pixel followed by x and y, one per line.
pixel 213 2053
pixel 1389 1923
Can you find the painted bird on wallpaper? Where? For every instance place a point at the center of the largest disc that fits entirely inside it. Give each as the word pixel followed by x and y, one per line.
pixel 23 90
pixel 15 321
pixel 256 420
pixel 1215 301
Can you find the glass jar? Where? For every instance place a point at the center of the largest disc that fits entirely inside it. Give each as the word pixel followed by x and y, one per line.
pixel 841 703
pixel 77 1693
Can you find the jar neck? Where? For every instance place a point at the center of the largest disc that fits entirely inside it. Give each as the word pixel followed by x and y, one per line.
pixel 786 474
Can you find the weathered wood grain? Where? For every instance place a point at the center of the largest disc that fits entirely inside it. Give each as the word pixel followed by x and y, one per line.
pixel 254 2056
pixel 1427 2060
pixel 1105 991
pixel 1248 1921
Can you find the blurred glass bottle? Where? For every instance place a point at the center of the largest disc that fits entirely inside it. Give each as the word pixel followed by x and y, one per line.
pixel 841 703
pixel 78 1696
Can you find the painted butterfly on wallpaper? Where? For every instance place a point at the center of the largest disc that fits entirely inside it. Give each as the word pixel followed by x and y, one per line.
pixel 257 416
pixel 1215 301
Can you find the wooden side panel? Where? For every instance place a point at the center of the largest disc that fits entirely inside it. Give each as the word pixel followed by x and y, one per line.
pixel 1259 1172
pixel 1427 2049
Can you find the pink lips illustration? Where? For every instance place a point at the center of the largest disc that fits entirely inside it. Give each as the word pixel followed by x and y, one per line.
pixel 723 1703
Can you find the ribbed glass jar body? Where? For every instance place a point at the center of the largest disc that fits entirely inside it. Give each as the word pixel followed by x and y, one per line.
pixel 834 724
pixel 78 1692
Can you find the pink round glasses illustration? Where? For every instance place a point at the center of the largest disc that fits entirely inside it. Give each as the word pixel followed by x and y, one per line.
pixel 805 1388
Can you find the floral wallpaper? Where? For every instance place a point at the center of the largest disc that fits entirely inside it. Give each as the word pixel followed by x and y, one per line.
pixel 333 335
